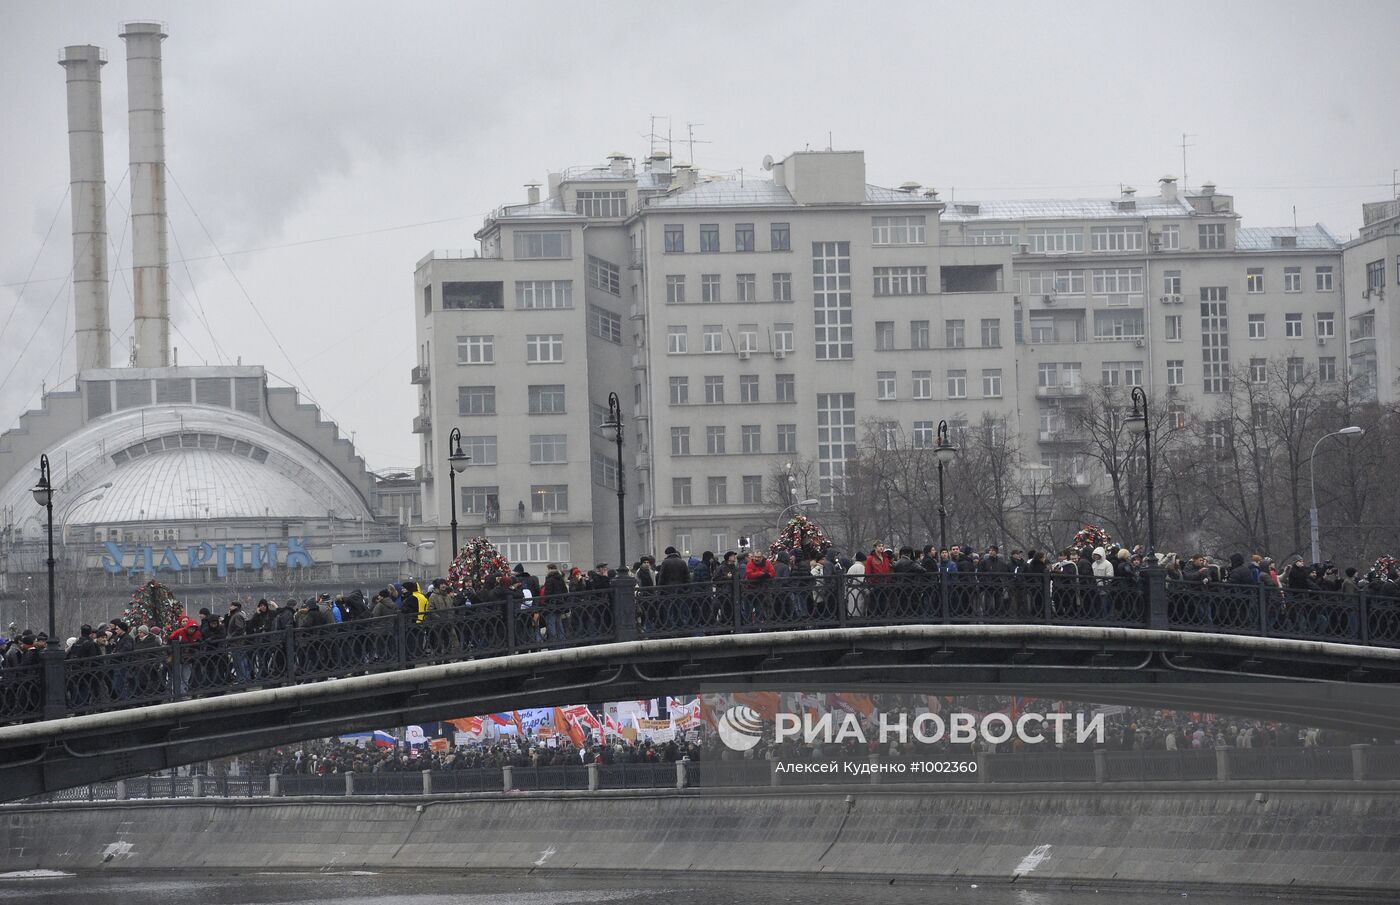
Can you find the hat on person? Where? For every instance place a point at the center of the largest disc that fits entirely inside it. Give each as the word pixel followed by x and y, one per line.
pixel 1098 551
pixel 142 630
pixel 519 569
pixel 26 638
pixel 42 636
pixel 204 611
pixel 671 551
pixel 85 630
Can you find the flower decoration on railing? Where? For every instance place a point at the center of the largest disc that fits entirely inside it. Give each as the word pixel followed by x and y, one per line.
pixel 477 565
pixel 1091 536
pixel 152 604
pixel 801 533
pixel 1386 569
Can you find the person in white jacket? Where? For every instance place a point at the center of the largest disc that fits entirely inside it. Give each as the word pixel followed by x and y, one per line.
pixel 1103 574
pixel 855 587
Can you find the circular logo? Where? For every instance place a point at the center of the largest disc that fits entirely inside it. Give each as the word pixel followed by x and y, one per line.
pixel 740 728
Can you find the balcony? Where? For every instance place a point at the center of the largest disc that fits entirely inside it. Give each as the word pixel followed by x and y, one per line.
pixel 1060 391
pixel 423 474
pixel 423 424
pixel 1061 435
pixel 419 376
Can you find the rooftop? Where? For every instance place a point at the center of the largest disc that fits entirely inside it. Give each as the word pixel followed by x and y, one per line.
pixel 757 191
pixel 1272 238
pixel 1065 209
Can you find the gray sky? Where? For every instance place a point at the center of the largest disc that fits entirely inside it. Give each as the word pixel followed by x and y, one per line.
pixel 327 146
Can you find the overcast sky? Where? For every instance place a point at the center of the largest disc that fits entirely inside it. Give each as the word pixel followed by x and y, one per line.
pixel 325 147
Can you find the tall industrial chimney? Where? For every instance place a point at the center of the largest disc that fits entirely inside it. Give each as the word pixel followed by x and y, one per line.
pixel 150 278
pixel 83 65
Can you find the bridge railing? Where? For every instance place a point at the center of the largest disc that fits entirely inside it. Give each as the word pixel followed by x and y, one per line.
pixel 624 612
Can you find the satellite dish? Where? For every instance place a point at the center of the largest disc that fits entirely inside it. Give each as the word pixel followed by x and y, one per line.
pixel 768 161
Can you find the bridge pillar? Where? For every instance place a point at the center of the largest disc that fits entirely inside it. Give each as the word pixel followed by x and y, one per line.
pixel 274 785
pixel 1222 764
pixel 874 761
pixel 682 774
pixel 121 790
pixel 427 782
pixel 507 778
pixel 197 786
pixel 984 764
pixel 1156 587
pixel 350 782
pixel 595 777
pixel 1100 765
pixel 774 777
pixel 1360 762
pixel 625 608
pixel 55 683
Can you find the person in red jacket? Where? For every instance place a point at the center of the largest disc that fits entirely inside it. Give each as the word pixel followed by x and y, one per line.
pixel 878 566
pixel 759 569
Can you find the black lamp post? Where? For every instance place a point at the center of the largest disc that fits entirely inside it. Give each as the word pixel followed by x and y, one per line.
pixel 614 423
pixel 1139 413
pixel 943 453
pixel 458 460
pixel 43 495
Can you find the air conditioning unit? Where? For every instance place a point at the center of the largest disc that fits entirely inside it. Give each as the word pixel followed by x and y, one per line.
pixel 780 354
pixel 744 354
pixel 1140 342
pixel 1322 340
pixel 1365 293
pixel 1171 300
pixel 1048 298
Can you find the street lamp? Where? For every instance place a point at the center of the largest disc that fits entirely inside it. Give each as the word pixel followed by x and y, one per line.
pixel 1352 431
pixel 614 424
pixel 458 460
pixel 798 504
pixel 1139 414
pixel 43 495
pixel 943 454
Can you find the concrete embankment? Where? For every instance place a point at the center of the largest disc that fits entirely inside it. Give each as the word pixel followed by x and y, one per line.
pixel 1333 837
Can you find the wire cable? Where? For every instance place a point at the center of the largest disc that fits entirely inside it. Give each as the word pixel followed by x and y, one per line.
pixel 35 263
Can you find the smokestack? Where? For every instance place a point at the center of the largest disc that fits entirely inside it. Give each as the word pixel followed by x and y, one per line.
pixel 150 278
pixel 83 66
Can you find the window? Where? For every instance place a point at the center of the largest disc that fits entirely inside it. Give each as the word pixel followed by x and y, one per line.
pixel 476 400
pixel 680 390
pixel 482 449
pixel 547 347
pixel 717 491
pixel 923 385
pixel 538 244
pixel 1174 328
pixel 1048 372
pixel 680 441
pixel 712 338
pixel 1040 282
pixel 787 438
pixel 1069 282
pixel 991 332
pixel 547 399
pixel 1256 327
pixel 1254 280
pixel 714 440
pixel 746 285
pixel 675 237
pixel 884 336
pixel 748 337
pixel 782 338
pixel 677 340
pixel 714 389
pixel 709 237
pixel 786 387
pixel 1295 370
pixel 748 387
pixel 675 289
pixel 901 280
pixel 753 489
pixel 1109 374
pixel 954 334
pixel 481 501
pixel 1212 236
pixel 957 384
pixel 831 299
pixel 476 350
pixel 1176 372
pixel 544 294
pixel 884 385
pixel 604 471
pixel 918 335
pixel 923 435
pixel 897 230
pixel 887 435
pixel 478 296
pixel 782 287
pixel 1118 281
pixel 1171 237
pixel 1132 373
pixel 779 237
pixel 604 275
pixel 1215 340
pixel 549 498
pixel 548 449
pixel 1055 241
pixel 1292 279
pixel 1323 276
pixel 1171 282
pixel 836 443
pixel 1116 238
pixel 1042 330
pixel 601 204
pixel 709 287
pixel 992 236
pixel 680 491
pixel 681 540
pixel 1327 369
pixel 991 382
pixel 1293 325
pixel 751 438
pixel 1375 275
pixel 1176 416
pixel 743 237
pixel 1326 326
pixel 428 299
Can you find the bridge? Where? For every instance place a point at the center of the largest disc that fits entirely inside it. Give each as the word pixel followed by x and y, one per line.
pixel 1313 658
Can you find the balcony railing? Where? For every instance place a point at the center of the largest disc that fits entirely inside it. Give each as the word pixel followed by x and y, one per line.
pixel 420 375
pixel 1060 390
pixel 423 424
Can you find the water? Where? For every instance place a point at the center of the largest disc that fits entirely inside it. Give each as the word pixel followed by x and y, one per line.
pixel 352 888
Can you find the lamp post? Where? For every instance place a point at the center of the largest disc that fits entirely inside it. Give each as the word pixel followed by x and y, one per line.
pixel 943 452
pixel 1352 431
pixel 614 424
pixel 43 495
pixel 782 515
pixel 1139 413
pixel 458 460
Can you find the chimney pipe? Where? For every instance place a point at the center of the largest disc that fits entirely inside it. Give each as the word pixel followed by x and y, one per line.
pixel 82 64
pixel 150 278
pixel 532 192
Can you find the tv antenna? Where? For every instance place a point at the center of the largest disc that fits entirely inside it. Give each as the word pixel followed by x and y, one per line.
pixel 692 141
pixel 1184 146
pixel 653 136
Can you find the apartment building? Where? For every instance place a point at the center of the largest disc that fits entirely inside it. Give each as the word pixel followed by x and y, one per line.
pixel 1372 269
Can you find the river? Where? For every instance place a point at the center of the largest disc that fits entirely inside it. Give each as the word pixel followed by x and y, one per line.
pixel 443 889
